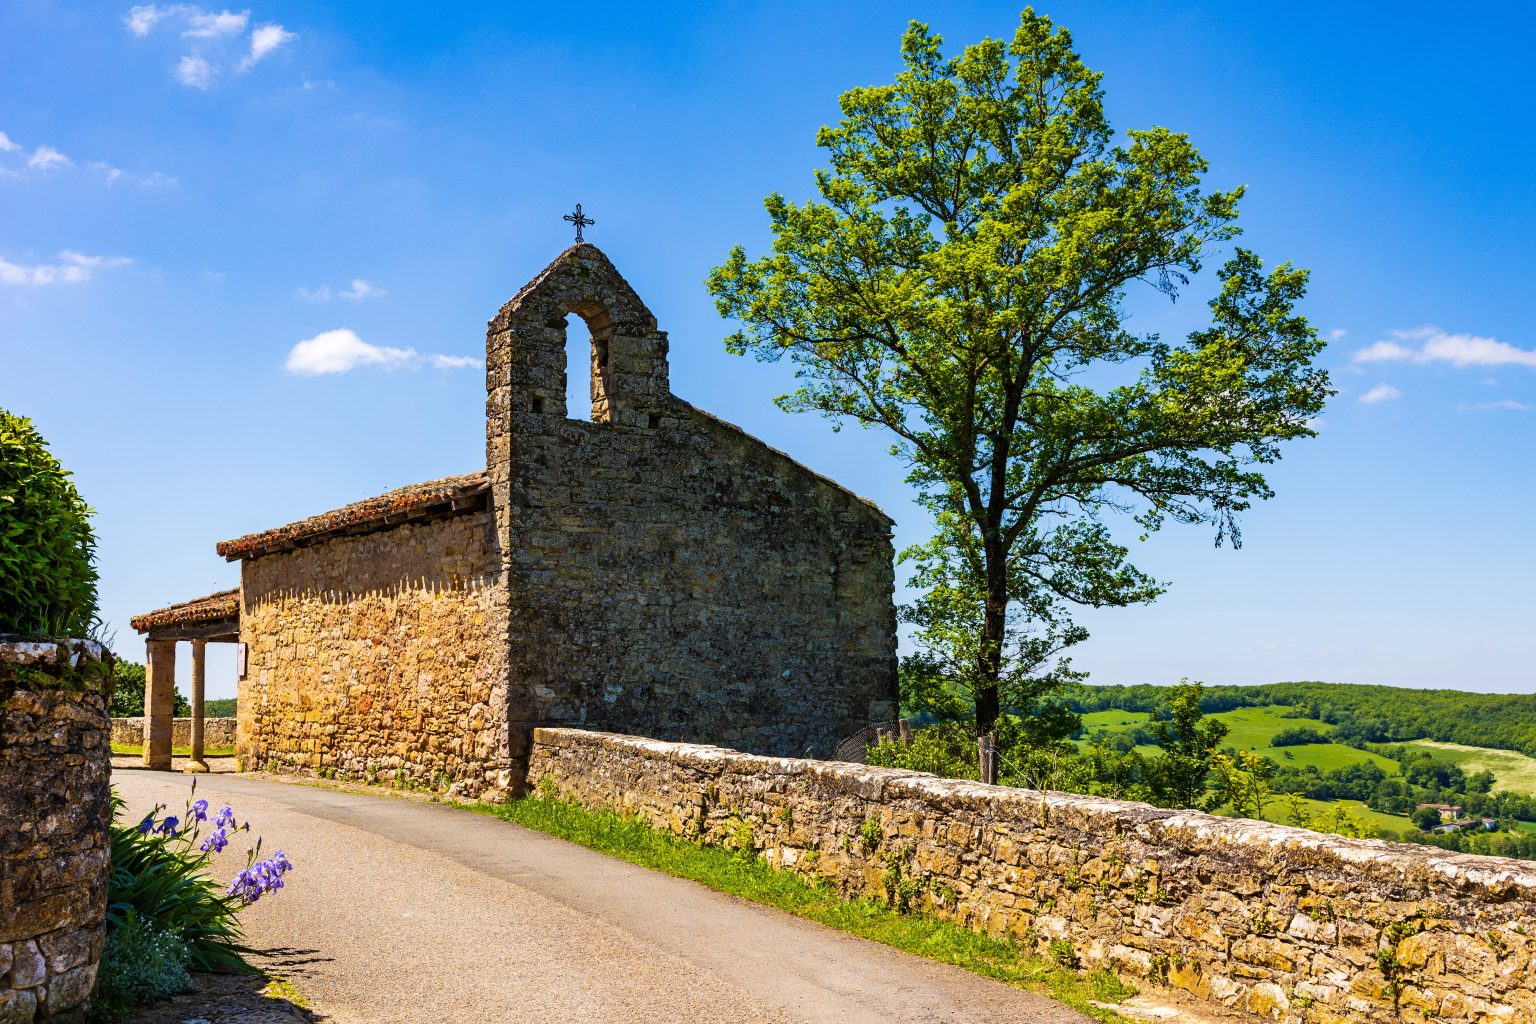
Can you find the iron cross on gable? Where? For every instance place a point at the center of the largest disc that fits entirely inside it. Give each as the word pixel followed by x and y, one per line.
pixel 579 219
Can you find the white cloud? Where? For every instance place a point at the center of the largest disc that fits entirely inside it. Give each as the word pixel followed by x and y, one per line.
pixel 1337 334
pixel 1433 345
pixel 208 25
pixel 264 40
pixel 112 175
pixel 213 36
pixel 45 158
pixel 194 71
pixel 360 289
pixel 363 290
pixel 144 17
pixel 1380 393
pixel 48 160
pixel 72 268
pixel 342 350
pixel 196 22
pixel 1382 351
pixel 1504 404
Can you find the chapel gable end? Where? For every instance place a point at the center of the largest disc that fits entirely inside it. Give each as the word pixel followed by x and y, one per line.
pixel 525 350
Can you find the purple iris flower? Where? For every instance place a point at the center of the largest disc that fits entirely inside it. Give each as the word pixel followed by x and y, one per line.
pixel 147 825
pixel 169 825
pixel 225 818
pixel 199 810
pixel 216 841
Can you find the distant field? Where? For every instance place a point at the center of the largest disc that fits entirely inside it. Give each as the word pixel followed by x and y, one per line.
pixel 1252 729
pixel 1512 772
pixel 1114 721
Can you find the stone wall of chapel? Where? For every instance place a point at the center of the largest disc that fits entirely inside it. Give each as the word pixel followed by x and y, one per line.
pixel 667 573
pixel 377 656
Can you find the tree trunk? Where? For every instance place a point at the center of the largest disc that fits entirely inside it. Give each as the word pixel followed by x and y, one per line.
pixel 994 623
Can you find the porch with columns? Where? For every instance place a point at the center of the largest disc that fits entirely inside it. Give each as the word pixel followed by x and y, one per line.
pixel 211 619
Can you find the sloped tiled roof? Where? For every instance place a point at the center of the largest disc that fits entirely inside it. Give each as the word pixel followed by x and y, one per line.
pixel 417 501
pixel 223 605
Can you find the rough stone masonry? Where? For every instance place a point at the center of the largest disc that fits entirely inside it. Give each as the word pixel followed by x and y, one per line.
pixel 635 565
pixel 1280 923
pixel 54 809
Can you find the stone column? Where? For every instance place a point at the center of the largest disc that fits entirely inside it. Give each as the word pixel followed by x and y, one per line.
pixel 196 763
pixel 159 703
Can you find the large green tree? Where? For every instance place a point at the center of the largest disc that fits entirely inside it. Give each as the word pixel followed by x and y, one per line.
pixel 962 282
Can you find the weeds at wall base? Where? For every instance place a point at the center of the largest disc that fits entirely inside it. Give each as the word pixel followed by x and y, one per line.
pixel 754 879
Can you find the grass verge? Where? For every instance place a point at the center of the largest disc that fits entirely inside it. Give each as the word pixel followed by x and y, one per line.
pixel 135 750
pixel 753 879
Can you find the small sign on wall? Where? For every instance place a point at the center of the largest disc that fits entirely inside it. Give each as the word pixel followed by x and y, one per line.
pixel 240 660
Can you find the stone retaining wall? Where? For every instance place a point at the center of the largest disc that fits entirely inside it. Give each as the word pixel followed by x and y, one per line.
pixel 218 733
pixel 55 803
pixel 1281 923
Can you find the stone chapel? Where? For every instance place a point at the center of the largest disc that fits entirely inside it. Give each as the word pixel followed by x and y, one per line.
pixel 646 569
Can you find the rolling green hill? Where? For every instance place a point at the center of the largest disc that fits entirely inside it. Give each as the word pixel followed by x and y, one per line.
pixel 1512 772
pixel 1378 714
pixel 1252 728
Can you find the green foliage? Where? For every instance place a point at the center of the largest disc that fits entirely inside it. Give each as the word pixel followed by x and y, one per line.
pixel 1426 819
pixel 222 707
pixel 140 964
pixel 901 888
pixel 1064 953
pixel 128 693
pixel 947 749
pixel 127 690
pixel 47 549
pixel 165 886
pixel 870 833
pixel 743 838
pixel 1243 783
pixel 962 283
pixel 1189 742
pixel 1297 737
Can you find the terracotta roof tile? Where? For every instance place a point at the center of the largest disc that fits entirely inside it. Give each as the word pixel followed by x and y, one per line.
pixel 390 509
pixel 223 605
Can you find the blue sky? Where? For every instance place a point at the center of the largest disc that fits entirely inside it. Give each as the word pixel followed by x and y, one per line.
pixel 187 193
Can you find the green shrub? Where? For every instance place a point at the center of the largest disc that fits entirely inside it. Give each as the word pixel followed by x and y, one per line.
pixel 947 749
pixel 141 963
pixel 1297 737
pixel 47 549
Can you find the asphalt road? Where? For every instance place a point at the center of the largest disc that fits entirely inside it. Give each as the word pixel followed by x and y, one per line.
pixel 400 911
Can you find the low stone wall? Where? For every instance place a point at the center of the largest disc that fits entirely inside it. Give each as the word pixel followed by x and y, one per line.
pixel 1277 922
pixel 218 733
pixel 55 804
